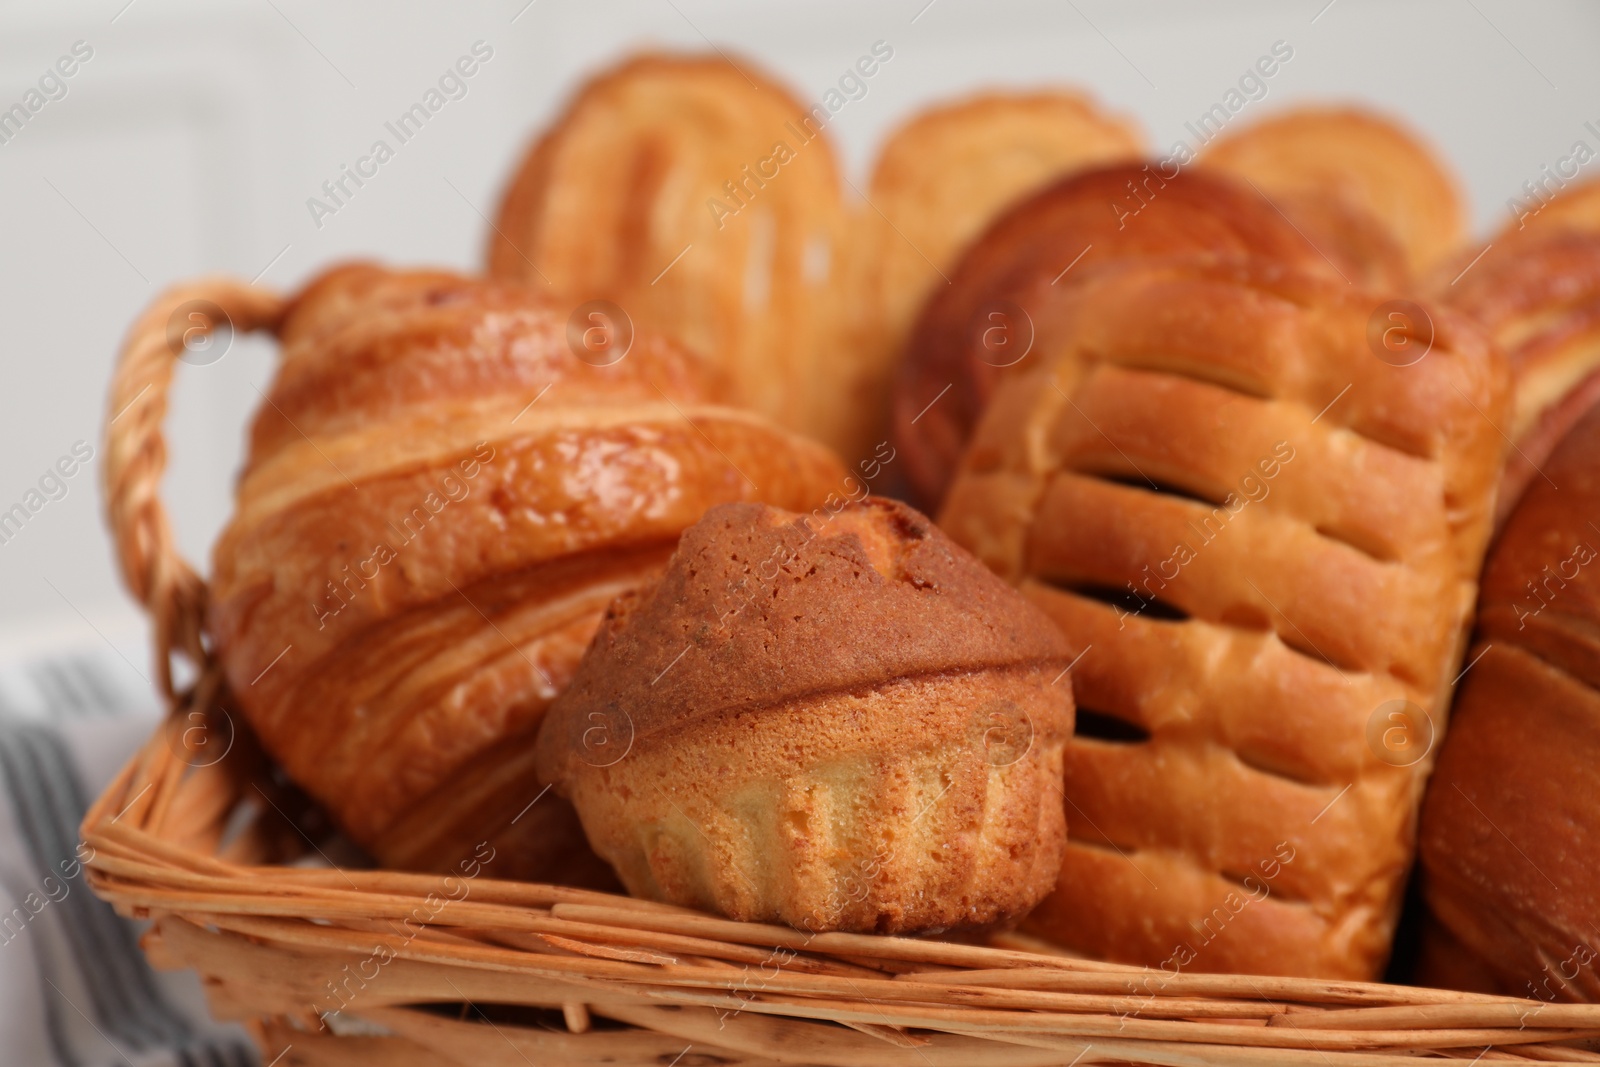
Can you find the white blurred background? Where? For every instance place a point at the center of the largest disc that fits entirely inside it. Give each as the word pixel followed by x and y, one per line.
pixel 191 139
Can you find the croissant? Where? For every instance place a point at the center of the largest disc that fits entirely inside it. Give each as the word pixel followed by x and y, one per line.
pixel 446 483
pixel 1263 543
pixel 938 182
pixel 839 721
pixel 975 331
pixel 704 199
pixel 1510 837
pixel 1365 191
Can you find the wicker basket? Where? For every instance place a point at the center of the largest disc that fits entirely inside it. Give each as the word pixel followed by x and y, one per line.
pixel 338 965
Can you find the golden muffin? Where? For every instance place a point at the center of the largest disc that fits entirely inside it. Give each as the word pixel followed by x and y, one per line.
pixel 839 721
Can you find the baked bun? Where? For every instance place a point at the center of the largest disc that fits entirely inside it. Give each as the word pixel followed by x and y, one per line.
pixel 1540 299
pixel 1262 539
pixel 838 721
pixel 1536 289
pixel 971 333
pixel 1510 836
pixel 440 497
pixel 942 177
pixel 702 199
pixel 1367 192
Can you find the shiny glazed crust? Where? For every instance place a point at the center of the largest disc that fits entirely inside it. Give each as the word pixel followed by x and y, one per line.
pixel 1510 838
pixel 439 500
pixel 1536 289
pixel 1104 216
pixel 1540 299
pixel 837 721
pixel 1257 535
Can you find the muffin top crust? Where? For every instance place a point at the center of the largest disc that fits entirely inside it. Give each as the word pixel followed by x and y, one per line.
pixel 760 607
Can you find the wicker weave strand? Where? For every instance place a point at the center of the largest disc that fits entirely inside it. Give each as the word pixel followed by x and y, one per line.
pixel 136 455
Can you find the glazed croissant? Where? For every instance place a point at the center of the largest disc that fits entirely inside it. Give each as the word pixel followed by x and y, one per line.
pixel 445 485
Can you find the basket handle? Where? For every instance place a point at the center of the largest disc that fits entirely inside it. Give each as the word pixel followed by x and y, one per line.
pixel 136 455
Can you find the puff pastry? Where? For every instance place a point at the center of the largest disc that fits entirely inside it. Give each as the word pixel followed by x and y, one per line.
pixel 439 499
pixel 702 198
pixel 1263 542
pixel 1574 207
pixel 976 331
pixel 1536 288
pixel 1364 190
pixel 938 182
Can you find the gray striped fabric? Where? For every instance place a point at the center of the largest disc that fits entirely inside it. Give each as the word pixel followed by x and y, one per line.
pixel 99 1002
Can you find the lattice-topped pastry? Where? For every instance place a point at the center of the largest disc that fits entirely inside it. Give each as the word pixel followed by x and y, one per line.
pixel 1263 541
pixel 970 335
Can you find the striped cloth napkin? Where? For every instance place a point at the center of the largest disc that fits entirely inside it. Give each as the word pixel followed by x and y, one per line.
pixel 74 988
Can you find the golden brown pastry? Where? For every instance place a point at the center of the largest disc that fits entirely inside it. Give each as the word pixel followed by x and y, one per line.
pixel 1539 297
pixel 942 177
pixel 1263 541
pixel 703 199
pixel 1366 191
pixel 973 332
pixel 1531 449
pixel 839 721
pixel 1510 839
pixel 1572 207
pixel 444 487
pixel 1536 288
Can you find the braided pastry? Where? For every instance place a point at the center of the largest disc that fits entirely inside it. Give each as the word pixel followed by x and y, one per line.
pixel 969 337
pixel 1261 540
pixel 439 500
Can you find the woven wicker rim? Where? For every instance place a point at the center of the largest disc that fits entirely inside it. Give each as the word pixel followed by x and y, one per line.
pixel 198 847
